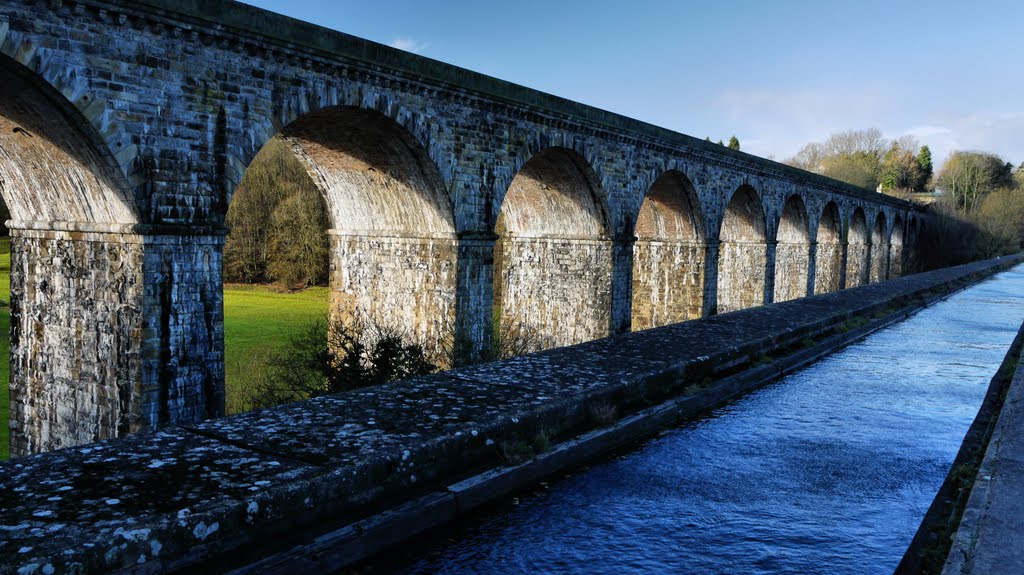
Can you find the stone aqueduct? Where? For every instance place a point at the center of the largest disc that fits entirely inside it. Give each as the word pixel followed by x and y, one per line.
pixel 455 199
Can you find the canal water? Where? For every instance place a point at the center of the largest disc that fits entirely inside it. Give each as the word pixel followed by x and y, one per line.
pixel 829 470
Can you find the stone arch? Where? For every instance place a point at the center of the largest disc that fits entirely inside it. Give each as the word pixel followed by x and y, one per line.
pixel 54 166
pixel 743 251
pixel 541 144
pixel 668 256
pixel 393 245
pixel 65 88
pixel 857 263
pixel 298 107
pixel 896 247
pixel 553 256
pixel 793 251
pixel 828 262
pixel 76 281
pixel 879 249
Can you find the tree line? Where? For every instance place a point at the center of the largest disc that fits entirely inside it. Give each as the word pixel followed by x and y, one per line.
pixel 977 198
pixel 864 158
pixel 278 222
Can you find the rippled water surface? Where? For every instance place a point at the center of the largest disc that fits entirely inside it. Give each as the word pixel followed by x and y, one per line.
pixel 828 471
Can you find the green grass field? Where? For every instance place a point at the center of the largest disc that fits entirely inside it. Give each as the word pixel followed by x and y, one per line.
pixel 258 320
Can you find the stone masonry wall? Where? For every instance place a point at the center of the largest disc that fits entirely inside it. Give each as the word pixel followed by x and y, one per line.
pixel 856 264
pixel 896 256
pixel 668 282
pixel 828 264
pixel 183 333
pixel 792 261
pixel 388 282
pixel 879 253
pixel 555 291
pixel 741 275
pixel 76 325
pixel 857 253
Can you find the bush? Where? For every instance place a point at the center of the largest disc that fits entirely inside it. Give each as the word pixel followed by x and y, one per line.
pixel 322 360
pixel 507 340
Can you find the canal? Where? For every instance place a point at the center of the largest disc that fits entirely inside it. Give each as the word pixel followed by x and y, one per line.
pixel 829 470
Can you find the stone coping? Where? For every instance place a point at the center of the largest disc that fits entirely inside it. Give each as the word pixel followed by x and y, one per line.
pixel 229 491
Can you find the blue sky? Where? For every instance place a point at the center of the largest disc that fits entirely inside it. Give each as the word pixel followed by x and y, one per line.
pixel 778 74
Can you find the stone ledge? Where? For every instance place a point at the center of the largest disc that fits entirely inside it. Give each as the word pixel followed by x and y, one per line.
pixel 229 492
pixel 991 526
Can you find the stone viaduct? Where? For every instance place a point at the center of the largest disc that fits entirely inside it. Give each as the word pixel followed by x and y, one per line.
pixel 458 202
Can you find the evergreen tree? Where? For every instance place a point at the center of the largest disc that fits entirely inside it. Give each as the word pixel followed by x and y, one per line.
pixel 734 143
pixel 924 164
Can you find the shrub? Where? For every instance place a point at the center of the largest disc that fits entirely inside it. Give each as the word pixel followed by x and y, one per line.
pixel 322 360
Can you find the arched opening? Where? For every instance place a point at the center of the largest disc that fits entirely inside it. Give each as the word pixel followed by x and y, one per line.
pixel 879 250
pixel 668 257
pixel 828 261
pixel 75 296
pixel 359 208
pixel 857 250
pixel 896 248
pixel 793 252
pixel 742 253
pixel 553 257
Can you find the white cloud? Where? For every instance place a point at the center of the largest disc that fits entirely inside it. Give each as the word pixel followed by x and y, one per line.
pixel 409 45
pixel 998 133
pixel 780 122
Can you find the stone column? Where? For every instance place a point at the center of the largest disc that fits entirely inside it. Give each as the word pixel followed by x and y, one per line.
pixel 812 267
pixel 771 247
pixel 474 294
pixel 842 268
pixel 888 261
pixel 622 284
pixel 115 329
pixel 711 277
pixel 869 249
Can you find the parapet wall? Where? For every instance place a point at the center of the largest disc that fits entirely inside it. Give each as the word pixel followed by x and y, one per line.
pixel 227 493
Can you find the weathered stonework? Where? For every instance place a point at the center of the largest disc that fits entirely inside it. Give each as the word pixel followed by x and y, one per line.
pixel 138 118
pixel 394 282
pixel 668 283
pixel 858 262
pixel 75 369
pixel 792 253
pixel 828 263
pixel 879 251
pixel 111 334
pixel 553 292
pixel 896 253
pixel 742 261
pixel 668 257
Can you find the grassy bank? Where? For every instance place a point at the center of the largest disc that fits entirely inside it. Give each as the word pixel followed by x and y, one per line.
pixel 258 320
